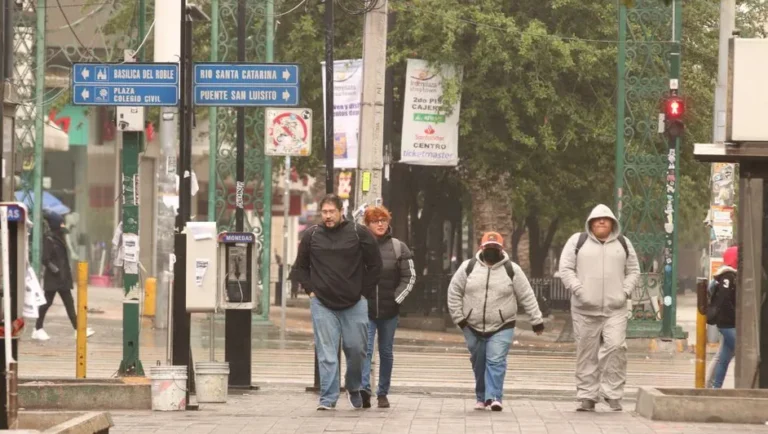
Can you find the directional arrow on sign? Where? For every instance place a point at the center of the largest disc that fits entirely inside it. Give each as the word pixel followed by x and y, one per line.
pixel 85 73
pixel 286 95
pixel 85 93
pixel 286 75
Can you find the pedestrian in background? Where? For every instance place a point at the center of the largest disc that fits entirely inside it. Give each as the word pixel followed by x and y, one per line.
pixel 339 265
pixel 57 276
pixel 600 268
pixel 721 312
pixel 398 276
pixel 482 299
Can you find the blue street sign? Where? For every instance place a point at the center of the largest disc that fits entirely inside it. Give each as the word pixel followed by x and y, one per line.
pixel 125 84
pixel 130 95
pixel 245 96
pixel 246 84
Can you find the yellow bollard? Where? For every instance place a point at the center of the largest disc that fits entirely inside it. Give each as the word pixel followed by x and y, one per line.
pixel 150 293
pixel 702 299
pixel 82 319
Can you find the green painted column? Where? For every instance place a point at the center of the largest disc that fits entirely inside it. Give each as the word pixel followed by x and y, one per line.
pixel 267 176
pixel 37 171
pixel 669 320
pixel 130 364
pixel 132 145
pixel 213 116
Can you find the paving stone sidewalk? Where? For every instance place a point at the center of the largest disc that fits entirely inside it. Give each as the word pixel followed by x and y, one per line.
pixel 262 412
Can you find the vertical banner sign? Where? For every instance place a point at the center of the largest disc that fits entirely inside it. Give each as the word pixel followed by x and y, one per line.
pixel 347 93
pixel 430 135
pixel 721 213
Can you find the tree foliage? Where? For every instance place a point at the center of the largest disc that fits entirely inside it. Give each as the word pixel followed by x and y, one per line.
pixel 538 95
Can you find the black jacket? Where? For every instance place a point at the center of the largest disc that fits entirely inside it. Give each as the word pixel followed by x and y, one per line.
pixel 58 274
pixel 724 296
pixel 397 278
pixel 339 265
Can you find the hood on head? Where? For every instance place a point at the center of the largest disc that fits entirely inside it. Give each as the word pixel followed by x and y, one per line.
pixel 54 220
pixel 603 211
pixel 731 257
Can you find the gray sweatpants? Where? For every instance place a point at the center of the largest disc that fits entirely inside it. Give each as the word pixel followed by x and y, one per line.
pixel 601 367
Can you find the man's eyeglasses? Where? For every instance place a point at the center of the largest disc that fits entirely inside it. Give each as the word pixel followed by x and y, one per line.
pixel 380 222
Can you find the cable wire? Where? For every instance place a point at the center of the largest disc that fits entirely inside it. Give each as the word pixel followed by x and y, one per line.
pixel 72 30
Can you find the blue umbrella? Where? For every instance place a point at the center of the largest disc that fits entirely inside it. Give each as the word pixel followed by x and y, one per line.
pixel 51 203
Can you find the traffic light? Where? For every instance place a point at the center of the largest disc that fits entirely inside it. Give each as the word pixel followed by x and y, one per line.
pixel 674 111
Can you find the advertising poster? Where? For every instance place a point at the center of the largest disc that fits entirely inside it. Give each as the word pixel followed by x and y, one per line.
pixel 347 94
pixel 430 135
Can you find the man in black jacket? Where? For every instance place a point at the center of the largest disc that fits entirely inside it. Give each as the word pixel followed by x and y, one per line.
pixel 338 264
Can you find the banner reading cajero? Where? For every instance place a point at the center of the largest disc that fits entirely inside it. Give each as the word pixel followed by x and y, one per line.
pixel 347 92
pixel 430 135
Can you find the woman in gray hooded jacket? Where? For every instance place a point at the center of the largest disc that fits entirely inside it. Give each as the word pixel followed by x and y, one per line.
pixel 482 299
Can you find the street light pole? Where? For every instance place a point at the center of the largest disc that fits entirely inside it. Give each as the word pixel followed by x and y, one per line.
pixel 329 133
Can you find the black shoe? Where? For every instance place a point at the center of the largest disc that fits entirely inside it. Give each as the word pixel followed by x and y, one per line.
pixel 366 398
pixel 586 405
pixel 614 404
pixel 383 402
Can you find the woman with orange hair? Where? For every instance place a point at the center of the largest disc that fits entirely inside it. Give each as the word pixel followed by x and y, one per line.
pixel 397 278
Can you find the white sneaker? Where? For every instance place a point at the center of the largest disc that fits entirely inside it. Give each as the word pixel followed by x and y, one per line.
pixel 88 333
pixel 40 335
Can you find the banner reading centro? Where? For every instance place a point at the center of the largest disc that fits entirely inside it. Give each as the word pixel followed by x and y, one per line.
pixel 347 91
pixel 430 135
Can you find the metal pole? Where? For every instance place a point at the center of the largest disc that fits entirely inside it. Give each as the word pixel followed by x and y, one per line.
pixel 620 110
pixel 82 319
pixel 701 332
pixel 286 268
pixel 37 208
pixel 237 344
pixel 266 257
pixel 213 135
pixel 329 132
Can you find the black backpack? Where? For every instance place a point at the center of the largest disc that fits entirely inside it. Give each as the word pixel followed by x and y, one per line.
pixel 544 305
pixel 583 239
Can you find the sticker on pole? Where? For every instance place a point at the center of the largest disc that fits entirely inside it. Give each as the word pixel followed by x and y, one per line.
pixel 288 132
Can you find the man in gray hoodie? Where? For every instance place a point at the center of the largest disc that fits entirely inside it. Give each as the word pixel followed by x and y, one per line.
pixel 601 269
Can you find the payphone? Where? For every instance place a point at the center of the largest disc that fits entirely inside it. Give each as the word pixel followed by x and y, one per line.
pixel 13 279
pixel 238 273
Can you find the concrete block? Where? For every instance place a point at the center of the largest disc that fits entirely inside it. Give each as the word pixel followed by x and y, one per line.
pixel 704 405
pixel 62 422
pixel 131 394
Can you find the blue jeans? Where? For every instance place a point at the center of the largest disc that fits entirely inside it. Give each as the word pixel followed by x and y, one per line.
pixel 727 350
pixel 350 326
pixel 489 362
pixel 386 328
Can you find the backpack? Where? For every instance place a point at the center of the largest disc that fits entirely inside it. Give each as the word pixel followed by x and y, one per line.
pixel 714 303
pixel 397 245
pixel 544 306
pixel 583 239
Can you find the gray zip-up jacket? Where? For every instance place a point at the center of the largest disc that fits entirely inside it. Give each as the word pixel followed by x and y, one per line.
pixel 602 277
pixel 486 300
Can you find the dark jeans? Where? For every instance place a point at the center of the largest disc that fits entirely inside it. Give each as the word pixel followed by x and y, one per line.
pixel 386 329
pixel 69 304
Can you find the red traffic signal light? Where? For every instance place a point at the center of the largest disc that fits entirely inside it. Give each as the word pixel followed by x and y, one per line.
pixel 674 108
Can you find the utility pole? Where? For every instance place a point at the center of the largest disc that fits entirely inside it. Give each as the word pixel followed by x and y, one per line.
pixel 329 133
pixel 166 49
pixel 3 51
pixel 132 146
pixel 371 153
